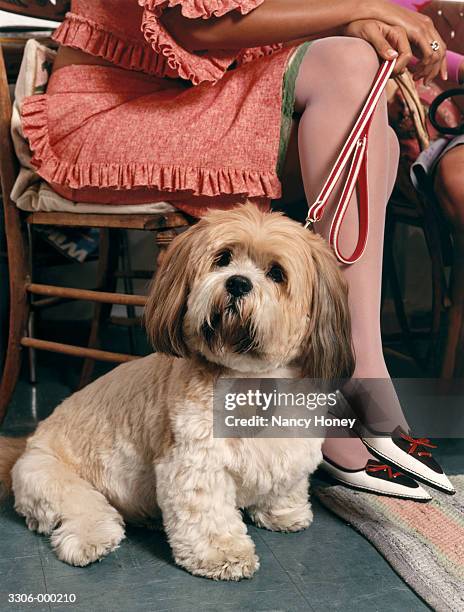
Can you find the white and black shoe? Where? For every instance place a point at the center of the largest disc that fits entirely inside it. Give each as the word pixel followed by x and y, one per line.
pixel 412 456
pixel 378 478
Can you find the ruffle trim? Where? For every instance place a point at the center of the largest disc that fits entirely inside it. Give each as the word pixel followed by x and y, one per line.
pixel 194 68
pixel 197 181
pixel 249 55
pixel 194 9
pixel 89 36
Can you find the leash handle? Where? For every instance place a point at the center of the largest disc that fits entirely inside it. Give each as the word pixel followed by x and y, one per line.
pixel 355 148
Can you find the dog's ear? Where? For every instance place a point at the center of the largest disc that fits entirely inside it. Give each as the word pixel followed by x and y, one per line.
pixel 328 351
pixel 167 299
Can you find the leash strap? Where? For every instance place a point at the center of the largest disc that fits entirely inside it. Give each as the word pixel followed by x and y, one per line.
pixel 355 148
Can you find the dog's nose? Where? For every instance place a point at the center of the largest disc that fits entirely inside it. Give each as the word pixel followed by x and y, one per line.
pixel 238 285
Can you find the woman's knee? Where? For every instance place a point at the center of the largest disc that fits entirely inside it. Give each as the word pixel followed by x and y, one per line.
pixel 348 58
pixel 449 186
pixel 338 64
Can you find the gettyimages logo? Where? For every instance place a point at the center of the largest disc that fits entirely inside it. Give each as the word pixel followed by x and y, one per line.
pixel 275 408
pixel 274 399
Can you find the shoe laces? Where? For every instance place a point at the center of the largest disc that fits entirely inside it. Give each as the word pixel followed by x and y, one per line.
pixel 416 443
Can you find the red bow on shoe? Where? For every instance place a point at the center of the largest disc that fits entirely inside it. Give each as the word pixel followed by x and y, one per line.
pixel 383 468
pixel 416 442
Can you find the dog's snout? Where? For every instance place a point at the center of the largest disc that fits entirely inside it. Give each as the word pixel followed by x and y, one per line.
pixel 238 285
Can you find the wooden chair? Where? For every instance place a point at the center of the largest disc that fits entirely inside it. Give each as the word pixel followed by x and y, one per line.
pixel 18 229
pixel 421 212
pixel 407 207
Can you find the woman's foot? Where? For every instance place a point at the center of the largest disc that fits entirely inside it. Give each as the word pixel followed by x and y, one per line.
pixel 379 478
pixel 347 460
pixel 411 455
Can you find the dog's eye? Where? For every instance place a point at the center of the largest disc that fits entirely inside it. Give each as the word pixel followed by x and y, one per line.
pixel 276 274
pixel 223 259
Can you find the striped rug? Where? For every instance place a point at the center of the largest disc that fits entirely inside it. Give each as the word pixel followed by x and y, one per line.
pixel 424 543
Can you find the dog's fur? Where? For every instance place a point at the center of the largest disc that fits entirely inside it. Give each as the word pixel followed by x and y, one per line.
pixel 137 443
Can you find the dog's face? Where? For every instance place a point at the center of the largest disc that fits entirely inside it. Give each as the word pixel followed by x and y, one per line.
pixel 252 291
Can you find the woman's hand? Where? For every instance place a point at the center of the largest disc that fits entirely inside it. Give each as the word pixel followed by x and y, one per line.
pixel 389 41
pixel 421 34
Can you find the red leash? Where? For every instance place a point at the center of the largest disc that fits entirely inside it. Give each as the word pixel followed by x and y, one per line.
pixel 356 148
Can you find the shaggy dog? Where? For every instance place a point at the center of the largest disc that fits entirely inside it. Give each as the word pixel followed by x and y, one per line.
pixel 242 293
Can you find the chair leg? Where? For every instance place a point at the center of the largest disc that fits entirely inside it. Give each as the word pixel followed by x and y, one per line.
pixel 434 246
pixel 397 295
pixel 453 359
pixel 19 305
pixel 106 281
pixel 32 315
pixel 17 249
pixel 459 357
pixel 18 322
pixel 126 264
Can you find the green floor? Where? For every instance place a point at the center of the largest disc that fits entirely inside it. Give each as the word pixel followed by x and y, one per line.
pixel 328 567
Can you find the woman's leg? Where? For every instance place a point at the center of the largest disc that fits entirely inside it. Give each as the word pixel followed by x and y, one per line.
pixel 333 82
pixel 449 188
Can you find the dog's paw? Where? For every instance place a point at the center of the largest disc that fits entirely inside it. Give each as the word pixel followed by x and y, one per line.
pixel 287 520
pixel 42 527
pixel 224 559
pixel 42 518
pixel 80 541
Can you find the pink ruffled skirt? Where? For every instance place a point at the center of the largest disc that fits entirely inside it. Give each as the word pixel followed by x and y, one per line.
pixel 109 135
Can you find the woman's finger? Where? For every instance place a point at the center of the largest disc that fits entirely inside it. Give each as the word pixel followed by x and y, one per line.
pixel 444 69
pixel 399 40
pixel 431 60
pixel 428 70
pixel 440 68
pixel 373 34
